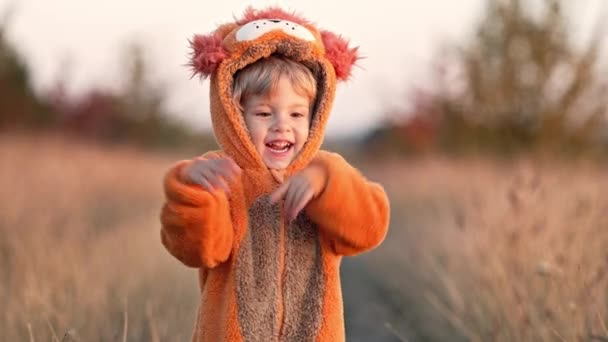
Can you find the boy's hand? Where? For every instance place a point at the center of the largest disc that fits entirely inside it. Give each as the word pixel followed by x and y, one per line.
pixel 300 189
pixel 211 174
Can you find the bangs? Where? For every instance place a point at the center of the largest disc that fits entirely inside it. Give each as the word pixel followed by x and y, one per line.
pixel 262 78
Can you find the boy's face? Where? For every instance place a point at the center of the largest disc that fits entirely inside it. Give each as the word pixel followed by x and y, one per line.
pixel 278 124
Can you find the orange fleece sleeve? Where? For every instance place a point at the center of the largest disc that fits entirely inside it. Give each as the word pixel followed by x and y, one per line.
pixel 351 211
pixel 196 224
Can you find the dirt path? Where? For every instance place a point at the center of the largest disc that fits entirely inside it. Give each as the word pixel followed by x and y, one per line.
pixel 369 312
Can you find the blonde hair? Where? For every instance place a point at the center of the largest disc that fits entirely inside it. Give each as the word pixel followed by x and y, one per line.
pixel 262 77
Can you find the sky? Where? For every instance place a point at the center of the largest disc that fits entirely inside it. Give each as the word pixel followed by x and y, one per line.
pixel 84 42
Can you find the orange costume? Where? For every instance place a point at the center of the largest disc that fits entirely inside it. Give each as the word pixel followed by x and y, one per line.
pixel 262 278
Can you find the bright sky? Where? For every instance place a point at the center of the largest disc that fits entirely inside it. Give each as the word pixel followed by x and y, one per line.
pixel 398 38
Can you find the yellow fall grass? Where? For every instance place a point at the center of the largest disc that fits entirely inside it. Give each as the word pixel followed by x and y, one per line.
pixel 498 251
pixel 478 250
pixel 80 246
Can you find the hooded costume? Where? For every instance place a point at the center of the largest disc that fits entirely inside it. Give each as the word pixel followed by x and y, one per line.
pixel 261 278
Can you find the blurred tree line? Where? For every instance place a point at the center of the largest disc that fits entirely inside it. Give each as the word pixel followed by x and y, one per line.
pixel 134 115
pixel 520 85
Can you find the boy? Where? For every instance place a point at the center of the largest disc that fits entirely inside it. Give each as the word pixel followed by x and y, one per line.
pixel 267 219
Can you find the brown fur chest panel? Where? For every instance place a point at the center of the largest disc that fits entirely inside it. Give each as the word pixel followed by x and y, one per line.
pixel 279 279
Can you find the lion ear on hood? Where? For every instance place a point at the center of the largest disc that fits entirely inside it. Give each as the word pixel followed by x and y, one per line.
pixel 207 51
pixel 338 52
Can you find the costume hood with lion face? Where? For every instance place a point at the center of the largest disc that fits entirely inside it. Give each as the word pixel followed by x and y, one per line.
pixel 260 34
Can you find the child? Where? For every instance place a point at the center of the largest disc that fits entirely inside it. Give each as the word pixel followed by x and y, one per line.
pixel 267 219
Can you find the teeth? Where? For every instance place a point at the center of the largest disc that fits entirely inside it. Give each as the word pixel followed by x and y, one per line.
pixel 279 146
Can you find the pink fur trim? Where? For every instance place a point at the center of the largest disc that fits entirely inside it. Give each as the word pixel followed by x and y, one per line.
pixel 341 56
pixel 252 14
pixel 207 54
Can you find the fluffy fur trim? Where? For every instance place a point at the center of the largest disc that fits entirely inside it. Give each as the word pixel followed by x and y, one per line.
pixel 207 54
pixel 208 51
pixel 341 56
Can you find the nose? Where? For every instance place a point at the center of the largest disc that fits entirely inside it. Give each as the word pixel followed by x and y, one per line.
pixel 280 124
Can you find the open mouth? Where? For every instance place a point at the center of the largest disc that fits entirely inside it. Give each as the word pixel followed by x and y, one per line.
pixel 279 146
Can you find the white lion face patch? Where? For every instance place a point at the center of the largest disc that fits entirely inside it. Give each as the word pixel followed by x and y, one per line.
pixel 256 29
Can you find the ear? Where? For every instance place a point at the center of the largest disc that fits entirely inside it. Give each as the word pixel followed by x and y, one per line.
pixel 341 56
pixel 207 53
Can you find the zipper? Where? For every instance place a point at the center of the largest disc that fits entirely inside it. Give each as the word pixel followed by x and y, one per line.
pixel 282 239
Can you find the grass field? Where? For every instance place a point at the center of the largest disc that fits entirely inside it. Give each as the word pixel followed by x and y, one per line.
pixel 478 250
pixel 497 251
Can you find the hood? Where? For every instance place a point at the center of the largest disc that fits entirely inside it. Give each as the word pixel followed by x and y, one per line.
pixel 259 34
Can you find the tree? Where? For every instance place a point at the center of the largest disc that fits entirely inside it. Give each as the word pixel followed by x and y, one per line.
pixel 19 106
pixel 524 84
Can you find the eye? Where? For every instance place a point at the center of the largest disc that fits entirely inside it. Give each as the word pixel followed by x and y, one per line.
pixel 262 114
pixel 297 115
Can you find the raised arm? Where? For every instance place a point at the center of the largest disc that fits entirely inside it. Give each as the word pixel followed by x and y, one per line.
pixel 196 224
pixel 351 211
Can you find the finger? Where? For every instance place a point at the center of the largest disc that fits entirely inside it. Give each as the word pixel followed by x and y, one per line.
pixel 208 177
pixel 294 196
pixel 216 177
pixel 291 195
pixel 225 169
pixel 222 167
pixel 231 165
pixel 234 166
pixel 279 193
pixel 205 184
pixel 196 176
pixel 291 200
pixel 222 183
pixel 190 173
pixel 303 201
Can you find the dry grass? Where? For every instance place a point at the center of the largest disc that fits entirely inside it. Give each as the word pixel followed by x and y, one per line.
pixel 80 247
pixel 477 251
pixel 483 251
